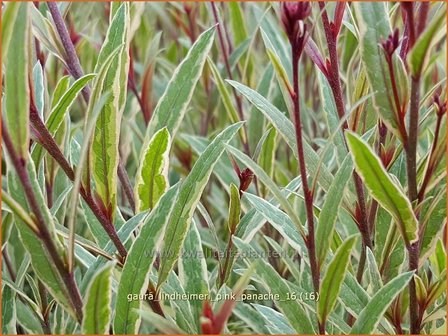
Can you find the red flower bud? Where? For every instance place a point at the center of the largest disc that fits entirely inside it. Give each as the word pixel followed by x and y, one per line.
pixel 293 14
pixel 391 44
pixel 440 106
pixel 246 177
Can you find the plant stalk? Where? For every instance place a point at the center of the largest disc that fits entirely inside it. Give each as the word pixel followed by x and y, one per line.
pixel 229 73
pixel 75 69
pixel 335 85
pixel 307 192
pixel 411 167
pixel 19 166
pixel 53 149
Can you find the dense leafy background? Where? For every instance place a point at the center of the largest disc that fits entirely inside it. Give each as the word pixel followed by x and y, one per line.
pixel 162 132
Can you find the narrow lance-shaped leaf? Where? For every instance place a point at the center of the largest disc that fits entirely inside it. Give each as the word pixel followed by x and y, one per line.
pixel 59 111
pixel 234 208
pixel 237 22
pixel 60 89
pixel 374 27
pixel 225 96
pixel 418 55
pixel 9 313
pixel 375 275
pixel 255 123
pixel 292 309
pixel 40 259
pixel 371 315
pixel 266 159
pixel 331 115
pixel 330 209
pixel 17 93
pixel 333 278
pixel 269 183
pixel 104 153
pixel 39 88
pixel 382 187
pixel 189 196
pixel 97 310
pixel 193 271
pixel 98 98
pixel 172 106
pixel 152 179
pixel 9 15
pixel 279 220
pixel 285 127
pixel 135 276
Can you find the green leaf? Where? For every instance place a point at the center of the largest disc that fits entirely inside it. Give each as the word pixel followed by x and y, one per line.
pixel 333 278
pixel 97 310
pixel 371 315
pixel 375 275
pixel 255 124
pixel 63 104
pixel 285 127
pixel 152 175
pixel 374 26
pixel 279 220
pixel 59 111
pixel 104 153
pixel 237 22
pixel 135 275
pixel 331 115
pixel 9 15
pixel 292 309
pixel 225 96
pixel 330 209
pixel 168 327
pixel 234 208
pixel 433 220
pixel 9 314
pixel 172 106
pixel 60 89
pixel 39 88
pixel 418 54
pixel 266 160
pixel 270 184
pixel 382 187
pixel 193 272
pixel 252 221
pixel 274 321
pixel 189 196
pixel 280 72
pixel 353 296
pixel 40 258
pixel 16 67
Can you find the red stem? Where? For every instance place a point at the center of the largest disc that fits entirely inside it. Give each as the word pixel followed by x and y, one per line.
pixel 307 193
pixel 75 69
pixel 19 166
pixel 335 84
pixel 229 73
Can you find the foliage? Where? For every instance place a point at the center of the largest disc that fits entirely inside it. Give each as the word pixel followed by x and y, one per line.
pixel 244 168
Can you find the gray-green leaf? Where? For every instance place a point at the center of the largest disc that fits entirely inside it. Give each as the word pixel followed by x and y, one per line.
pixel 382 187
pixel 135 275
pixel 370 316
pixel 189 196
pixel 97 309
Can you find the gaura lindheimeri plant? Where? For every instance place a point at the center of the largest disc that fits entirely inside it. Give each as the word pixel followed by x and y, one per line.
pixel 240 168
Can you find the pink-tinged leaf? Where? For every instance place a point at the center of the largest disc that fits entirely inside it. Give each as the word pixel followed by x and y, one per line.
pixel 313 52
